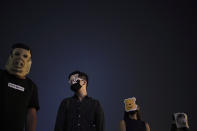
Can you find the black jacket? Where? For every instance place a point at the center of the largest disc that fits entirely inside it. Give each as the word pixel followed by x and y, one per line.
pixel 75 115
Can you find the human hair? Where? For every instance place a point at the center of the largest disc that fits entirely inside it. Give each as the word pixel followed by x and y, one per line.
pixel 131 113
pixel 20 45
pixel 82 75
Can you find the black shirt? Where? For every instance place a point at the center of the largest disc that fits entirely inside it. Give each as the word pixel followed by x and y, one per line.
pixel 17 95
pixel 135 125
pixel 174 128
pixel 76 115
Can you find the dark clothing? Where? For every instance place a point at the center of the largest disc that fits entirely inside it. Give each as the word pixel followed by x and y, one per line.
pixel 76 115
pixel 17 95
pixel 135 125
pixel 174 128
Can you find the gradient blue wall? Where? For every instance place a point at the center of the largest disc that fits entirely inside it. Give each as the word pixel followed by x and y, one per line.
pixel 146 50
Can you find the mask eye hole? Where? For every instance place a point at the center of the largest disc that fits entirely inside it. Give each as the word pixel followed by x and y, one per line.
pixel 25 56
pixel 17 54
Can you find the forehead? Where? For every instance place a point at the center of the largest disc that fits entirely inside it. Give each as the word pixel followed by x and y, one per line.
pixel 22 51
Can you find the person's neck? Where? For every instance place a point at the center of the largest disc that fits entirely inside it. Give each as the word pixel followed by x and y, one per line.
pixel 81 93
pixel 14 74
pixel 20 77
pixel 134 117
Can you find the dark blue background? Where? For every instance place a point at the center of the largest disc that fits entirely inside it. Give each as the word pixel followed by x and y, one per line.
pixel 142 49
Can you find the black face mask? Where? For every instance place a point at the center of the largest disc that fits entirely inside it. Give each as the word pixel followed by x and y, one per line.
pixel 75 87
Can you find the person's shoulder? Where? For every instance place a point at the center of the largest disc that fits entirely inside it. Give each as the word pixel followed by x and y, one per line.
pixel 146 123
pixel 122 122
pixel 1 71
pixel 31 83
pixel 30 80
pixel 66 99
pixel 93 99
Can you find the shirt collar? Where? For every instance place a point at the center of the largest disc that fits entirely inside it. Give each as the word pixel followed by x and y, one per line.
pixel 76 97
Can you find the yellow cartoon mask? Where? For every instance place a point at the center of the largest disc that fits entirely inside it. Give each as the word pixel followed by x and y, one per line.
pixel 19 62
pixel 130 104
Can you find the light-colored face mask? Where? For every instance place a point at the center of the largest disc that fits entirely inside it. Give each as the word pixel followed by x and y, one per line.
pixel 19 62
pixel 130 104
pixel 181 120
pixel 74 78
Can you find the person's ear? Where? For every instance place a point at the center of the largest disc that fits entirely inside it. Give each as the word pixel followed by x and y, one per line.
pixel 84 82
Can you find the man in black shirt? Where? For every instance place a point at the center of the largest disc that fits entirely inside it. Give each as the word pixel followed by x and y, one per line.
pixel 79 112
pixel 19 98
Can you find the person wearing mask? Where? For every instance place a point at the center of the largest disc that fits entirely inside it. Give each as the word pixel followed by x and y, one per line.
pixel 79 112
pixel 132 120
pixel 179 122
pixel 19 95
